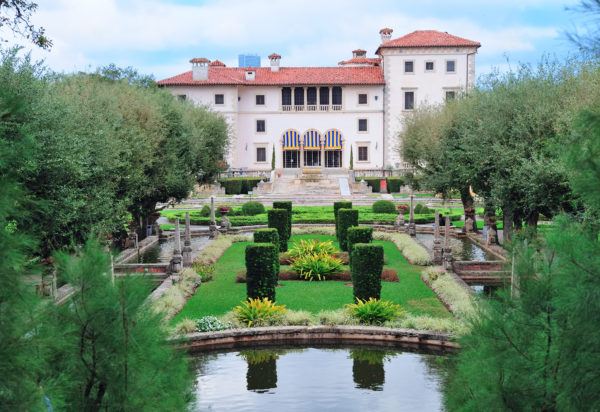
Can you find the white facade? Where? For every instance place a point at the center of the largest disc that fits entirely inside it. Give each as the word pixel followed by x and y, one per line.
pixel 258 124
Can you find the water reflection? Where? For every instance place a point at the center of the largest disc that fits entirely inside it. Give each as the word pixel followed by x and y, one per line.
pixel 367 368
pixel 262 370
pixel 163 250
pixel 462 248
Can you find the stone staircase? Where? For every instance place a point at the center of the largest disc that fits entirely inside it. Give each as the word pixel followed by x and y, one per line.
pixel 314 181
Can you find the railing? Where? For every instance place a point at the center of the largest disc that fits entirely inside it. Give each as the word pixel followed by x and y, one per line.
pixel 265 174
pixel 324 108
pixel 311 108
pixel 381 173
pixel 299 108
pixel 286 108
pixel 336 107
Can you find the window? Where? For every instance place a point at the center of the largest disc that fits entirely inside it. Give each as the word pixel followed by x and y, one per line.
pixel 324 96
pixel 336 96
pixel 311 96
pixel 298 96
pixel 286 96
pixel 409 66
pixel 450 66
pixel 362 125
pixel 261 126
pixel 219 99
pixel 409 100
pixel 181 96
pixel 363 154
pixel 260 99
pixel 450 95
pixel 261 154
pixel 429 66
pixel 362 98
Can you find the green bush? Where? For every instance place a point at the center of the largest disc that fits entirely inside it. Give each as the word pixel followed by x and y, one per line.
pixel 367 264
pixel 359 234
pixel 374 311
pixel 211 324
pixel 252 208
pixel 268 235
pixel 287 206
pixel 278 219
pixel 316 266
pixel 421 209
pixel 337 206
pixel 394 184
pixel 262 260
pixel 311 247
pixel 374 182
pixel 384 206
pixel 204 270
pixel 205 211
pixel 347 218
pixel 239 185
pixel 259 312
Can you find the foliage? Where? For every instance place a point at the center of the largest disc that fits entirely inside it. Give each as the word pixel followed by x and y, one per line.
pixel 262 261
pixel 185 326
pixel 346 219
pixel 204 270
pixel 374 182
pixel 268 235
pixel 367 264
pixel 412 251
pixel 211 324
pixel 316 266
pixel 384 206
pixel 239 185
pixel 174 299
pixel 279 219
pixel 375 311
pixel 421 209
pixel 394 184
pixel 253 208
pixel 359 234
pixel 287 206
pixel 258 312
pixel 16 16
pixel 461 301
pixel 311 247
pixel 111 343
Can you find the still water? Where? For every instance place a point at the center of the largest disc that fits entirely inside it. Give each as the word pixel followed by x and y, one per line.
pixel 163 251
pixel 319 379
pixel 462 248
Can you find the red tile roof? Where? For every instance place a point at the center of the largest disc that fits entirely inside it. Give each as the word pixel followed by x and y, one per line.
pixel 285 76
pixel 373 61
pixel 199 60
pixel 217 63
pixel 429 38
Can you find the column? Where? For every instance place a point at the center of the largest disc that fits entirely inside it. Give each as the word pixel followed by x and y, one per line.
pixel 447 248
pixel 412 229
pixel 322 140
pixel 301 165
pixel 176 265
pixel 437 243
pixel 187 243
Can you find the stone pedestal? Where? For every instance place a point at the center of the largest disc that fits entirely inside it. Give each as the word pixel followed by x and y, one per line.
pixel 448 259
pixel 177 259
pixel 412 228
pixel 437 242
pixel 187 243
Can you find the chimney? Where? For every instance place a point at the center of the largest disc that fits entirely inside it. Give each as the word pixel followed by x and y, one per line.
pixel 386 34
pixel 250 75
pixel 274 58
pixel 199 68
pixel 359 53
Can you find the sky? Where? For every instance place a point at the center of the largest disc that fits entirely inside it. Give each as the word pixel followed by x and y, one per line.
pixel 159 37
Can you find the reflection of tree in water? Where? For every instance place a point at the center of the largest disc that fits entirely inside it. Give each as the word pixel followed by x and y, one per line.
pixel 367 367
pixel 439 368
pixel 262 368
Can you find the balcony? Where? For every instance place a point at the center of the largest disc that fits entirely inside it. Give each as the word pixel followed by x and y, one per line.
pixel 311 108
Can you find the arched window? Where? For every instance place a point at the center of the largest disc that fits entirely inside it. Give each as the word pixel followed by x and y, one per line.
pixel 312 140
pixel 333 140
pixel 291 140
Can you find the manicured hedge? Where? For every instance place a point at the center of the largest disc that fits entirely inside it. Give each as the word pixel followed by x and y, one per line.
pixel 268 235
pixel 394 184
pixel 278 219
pixel 261 270
pixel 384 206
pixel 347 218
pixel 359 234
pixel 421 209
pixel 374 182
pixel 337 206
pixel 367 264
pixel 287 206
pixel 253 208
pixel 239 185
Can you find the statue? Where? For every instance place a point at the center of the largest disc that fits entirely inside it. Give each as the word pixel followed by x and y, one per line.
pixel 437 242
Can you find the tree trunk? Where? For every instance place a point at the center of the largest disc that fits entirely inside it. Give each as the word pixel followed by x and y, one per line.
pixel 490 218
pixel 469 208
pixel 532 220
pixel 507 220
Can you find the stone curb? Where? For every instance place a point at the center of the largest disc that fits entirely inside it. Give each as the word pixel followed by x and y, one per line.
pixel 231 338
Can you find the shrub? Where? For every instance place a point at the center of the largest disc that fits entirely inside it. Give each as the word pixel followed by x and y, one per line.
pixel 252 208
pixel 421 209
pixel 204 270
pixel 298 318
pixel 205 211
pixel 374 182
pixel 311 247
pixel 394 184
pixel 278 219
pixel 454 295
pixel 336 207
pixel 186 326
pixel 411 250
pixel 336 317
pixel 239 185
pixel 384 206
pixel 287 206
pixel 316 266
pixel 268 235
pixel 259 312
pixel 375 311
pixel 367 264
pixel 262 261
pixel 347 218
pixel 211 324
pixel 359 234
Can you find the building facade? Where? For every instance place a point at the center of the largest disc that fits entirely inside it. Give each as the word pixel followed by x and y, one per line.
pixel 329 116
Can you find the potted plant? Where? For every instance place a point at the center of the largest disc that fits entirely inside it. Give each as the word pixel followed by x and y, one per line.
pixel 224 210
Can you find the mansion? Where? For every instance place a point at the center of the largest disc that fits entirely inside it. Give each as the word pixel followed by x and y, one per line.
pixel 324 116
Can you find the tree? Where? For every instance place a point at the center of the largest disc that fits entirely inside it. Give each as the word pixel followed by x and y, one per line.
pixel 115 354
pixel 16 16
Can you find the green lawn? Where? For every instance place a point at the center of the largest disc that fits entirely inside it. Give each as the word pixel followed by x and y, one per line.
pixel 222 293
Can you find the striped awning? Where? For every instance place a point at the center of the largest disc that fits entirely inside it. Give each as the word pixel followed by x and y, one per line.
pixel 333 140
pixel 312 140
pixel 291 140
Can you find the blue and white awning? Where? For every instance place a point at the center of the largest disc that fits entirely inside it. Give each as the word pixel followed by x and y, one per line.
pixel 312 140
pixel 333 140
pixel 291 140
